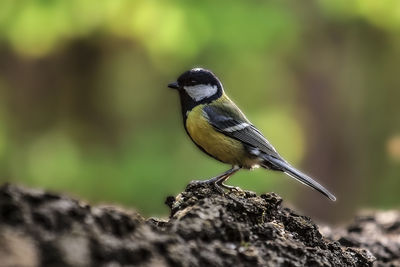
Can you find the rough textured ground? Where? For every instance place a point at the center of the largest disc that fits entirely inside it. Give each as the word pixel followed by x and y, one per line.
pixel 379 232
pixel 205 228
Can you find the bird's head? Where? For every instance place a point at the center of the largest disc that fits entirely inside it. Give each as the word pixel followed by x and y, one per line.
pixel 199 84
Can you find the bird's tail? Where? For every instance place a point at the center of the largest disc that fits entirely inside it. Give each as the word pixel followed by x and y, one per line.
pixel 280 164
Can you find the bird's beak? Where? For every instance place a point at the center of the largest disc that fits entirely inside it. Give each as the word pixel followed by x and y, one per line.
pixel 173 85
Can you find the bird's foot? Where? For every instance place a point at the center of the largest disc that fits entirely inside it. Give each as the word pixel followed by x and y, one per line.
pixel 196 182
pixel 230 187
pixel 208 182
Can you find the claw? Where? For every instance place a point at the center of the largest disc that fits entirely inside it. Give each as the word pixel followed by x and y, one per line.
pixel 232 188
pixel 216 186
pixel 219 188
pixel 218 181
pixel 196 182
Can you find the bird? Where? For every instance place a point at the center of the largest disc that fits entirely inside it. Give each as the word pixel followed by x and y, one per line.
pixel 220 129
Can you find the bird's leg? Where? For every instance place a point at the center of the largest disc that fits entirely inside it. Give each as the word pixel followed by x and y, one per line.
pixel 221 181
pixel 218 180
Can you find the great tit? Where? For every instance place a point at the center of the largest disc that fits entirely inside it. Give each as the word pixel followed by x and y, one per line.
pixel 220 129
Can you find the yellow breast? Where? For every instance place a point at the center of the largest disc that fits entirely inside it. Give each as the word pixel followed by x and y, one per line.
pixel 218 145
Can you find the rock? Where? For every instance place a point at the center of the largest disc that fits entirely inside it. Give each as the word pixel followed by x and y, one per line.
pixel 377 231
pixel 205 228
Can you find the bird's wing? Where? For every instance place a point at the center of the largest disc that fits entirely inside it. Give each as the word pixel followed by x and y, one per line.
pixel 229 120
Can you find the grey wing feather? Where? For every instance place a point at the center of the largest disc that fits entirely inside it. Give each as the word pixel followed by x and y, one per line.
pixel 232 122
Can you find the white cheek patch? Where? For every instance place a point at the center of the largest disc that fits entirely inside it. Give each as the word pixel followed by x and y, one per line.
pixel 201 91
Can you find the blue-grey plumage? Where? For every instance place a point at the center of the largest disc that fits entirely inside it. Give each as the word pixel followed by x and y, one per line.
pixel 220 129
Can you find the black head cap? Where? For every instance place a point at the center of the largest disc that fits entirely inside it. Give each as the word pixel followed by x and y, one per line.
pixel 196 76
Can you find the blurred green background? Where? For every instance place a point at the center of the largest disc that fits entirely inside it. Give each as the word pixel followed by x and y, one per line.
pixel 84 106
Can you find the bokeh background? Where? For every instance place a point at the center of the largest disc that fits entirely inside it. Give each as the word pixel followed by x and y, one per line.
pixel 84 107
